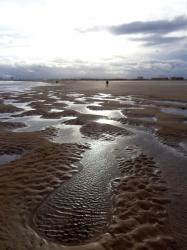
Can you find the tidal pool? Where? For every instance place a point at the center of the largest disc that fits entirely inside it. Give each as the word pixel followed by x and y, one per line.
pixel 18 86
pixel 80 209
pixel 82 108
pixel 175 111
pixel 36 123
pixel 6 158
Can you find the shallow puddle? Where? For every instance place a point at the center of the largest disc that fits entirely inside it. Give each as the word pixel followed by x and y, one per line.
pixel 169 102
pixel 69 134
pixel 23 105
pixel 183 145
pixel 18 86
pixel 175 111
pixel 6 158
pixel 55 110
pixel 145 119
pixel 75 95
pixel 81 208
pixel 5 115
pixel 82 108
pixel 36 123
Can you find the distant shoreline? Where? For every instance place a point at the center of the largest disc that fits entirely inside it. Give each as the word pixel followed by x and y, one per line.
pixel 94 79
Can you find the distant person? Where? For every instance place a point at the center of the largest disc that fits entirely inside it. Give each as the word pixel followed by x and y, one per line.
pixel 107 82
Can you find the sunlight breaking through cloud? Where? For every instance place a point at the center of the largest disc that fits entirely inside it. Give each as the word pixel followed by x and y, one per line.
pixel 79 39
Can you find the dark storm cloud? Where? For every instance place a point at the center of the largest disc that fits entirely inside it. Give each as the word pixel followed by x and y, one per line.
pixel 144 27
pixel 152 32
pixel 150 27
pixel 159 40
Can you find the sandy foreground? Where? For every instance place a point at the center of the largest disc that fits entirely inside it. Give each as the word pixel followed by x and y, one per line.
pixel 85 166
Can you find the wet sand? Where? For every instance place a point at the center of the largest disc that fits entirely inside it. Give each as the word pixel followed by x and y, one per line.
pixel 94 167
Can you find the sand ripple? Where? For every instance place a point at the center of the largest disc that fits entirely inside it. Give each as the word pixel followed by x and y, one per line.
pixel 74 214
pixel 26 182
pixel 102 131
pixel 140 219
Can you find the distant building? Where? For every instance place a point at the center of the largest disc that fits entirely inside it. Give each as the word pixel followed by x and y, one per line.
pixel 140 78
pixel 177 78
pixel 160 78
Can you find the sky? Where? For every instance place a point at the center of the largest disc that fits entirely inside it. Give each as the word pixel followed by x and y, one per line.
pixel 93 38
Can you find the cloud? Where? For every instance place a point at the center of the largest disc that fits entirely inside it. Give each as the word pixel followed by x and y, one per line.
pixel 115 68
pixel 144 27
pixel 154 40
pixel 10 38
pixel 151 33
pixel 150 27
pixel 43 72
pixel 178 53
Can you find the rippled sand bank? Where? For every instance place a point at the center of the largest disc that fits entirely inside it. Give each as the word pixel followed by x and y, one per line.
pixel 87 176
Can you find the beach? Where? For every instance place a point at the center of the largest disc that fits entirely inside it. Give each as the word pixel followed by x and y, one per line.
pixel 90 166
